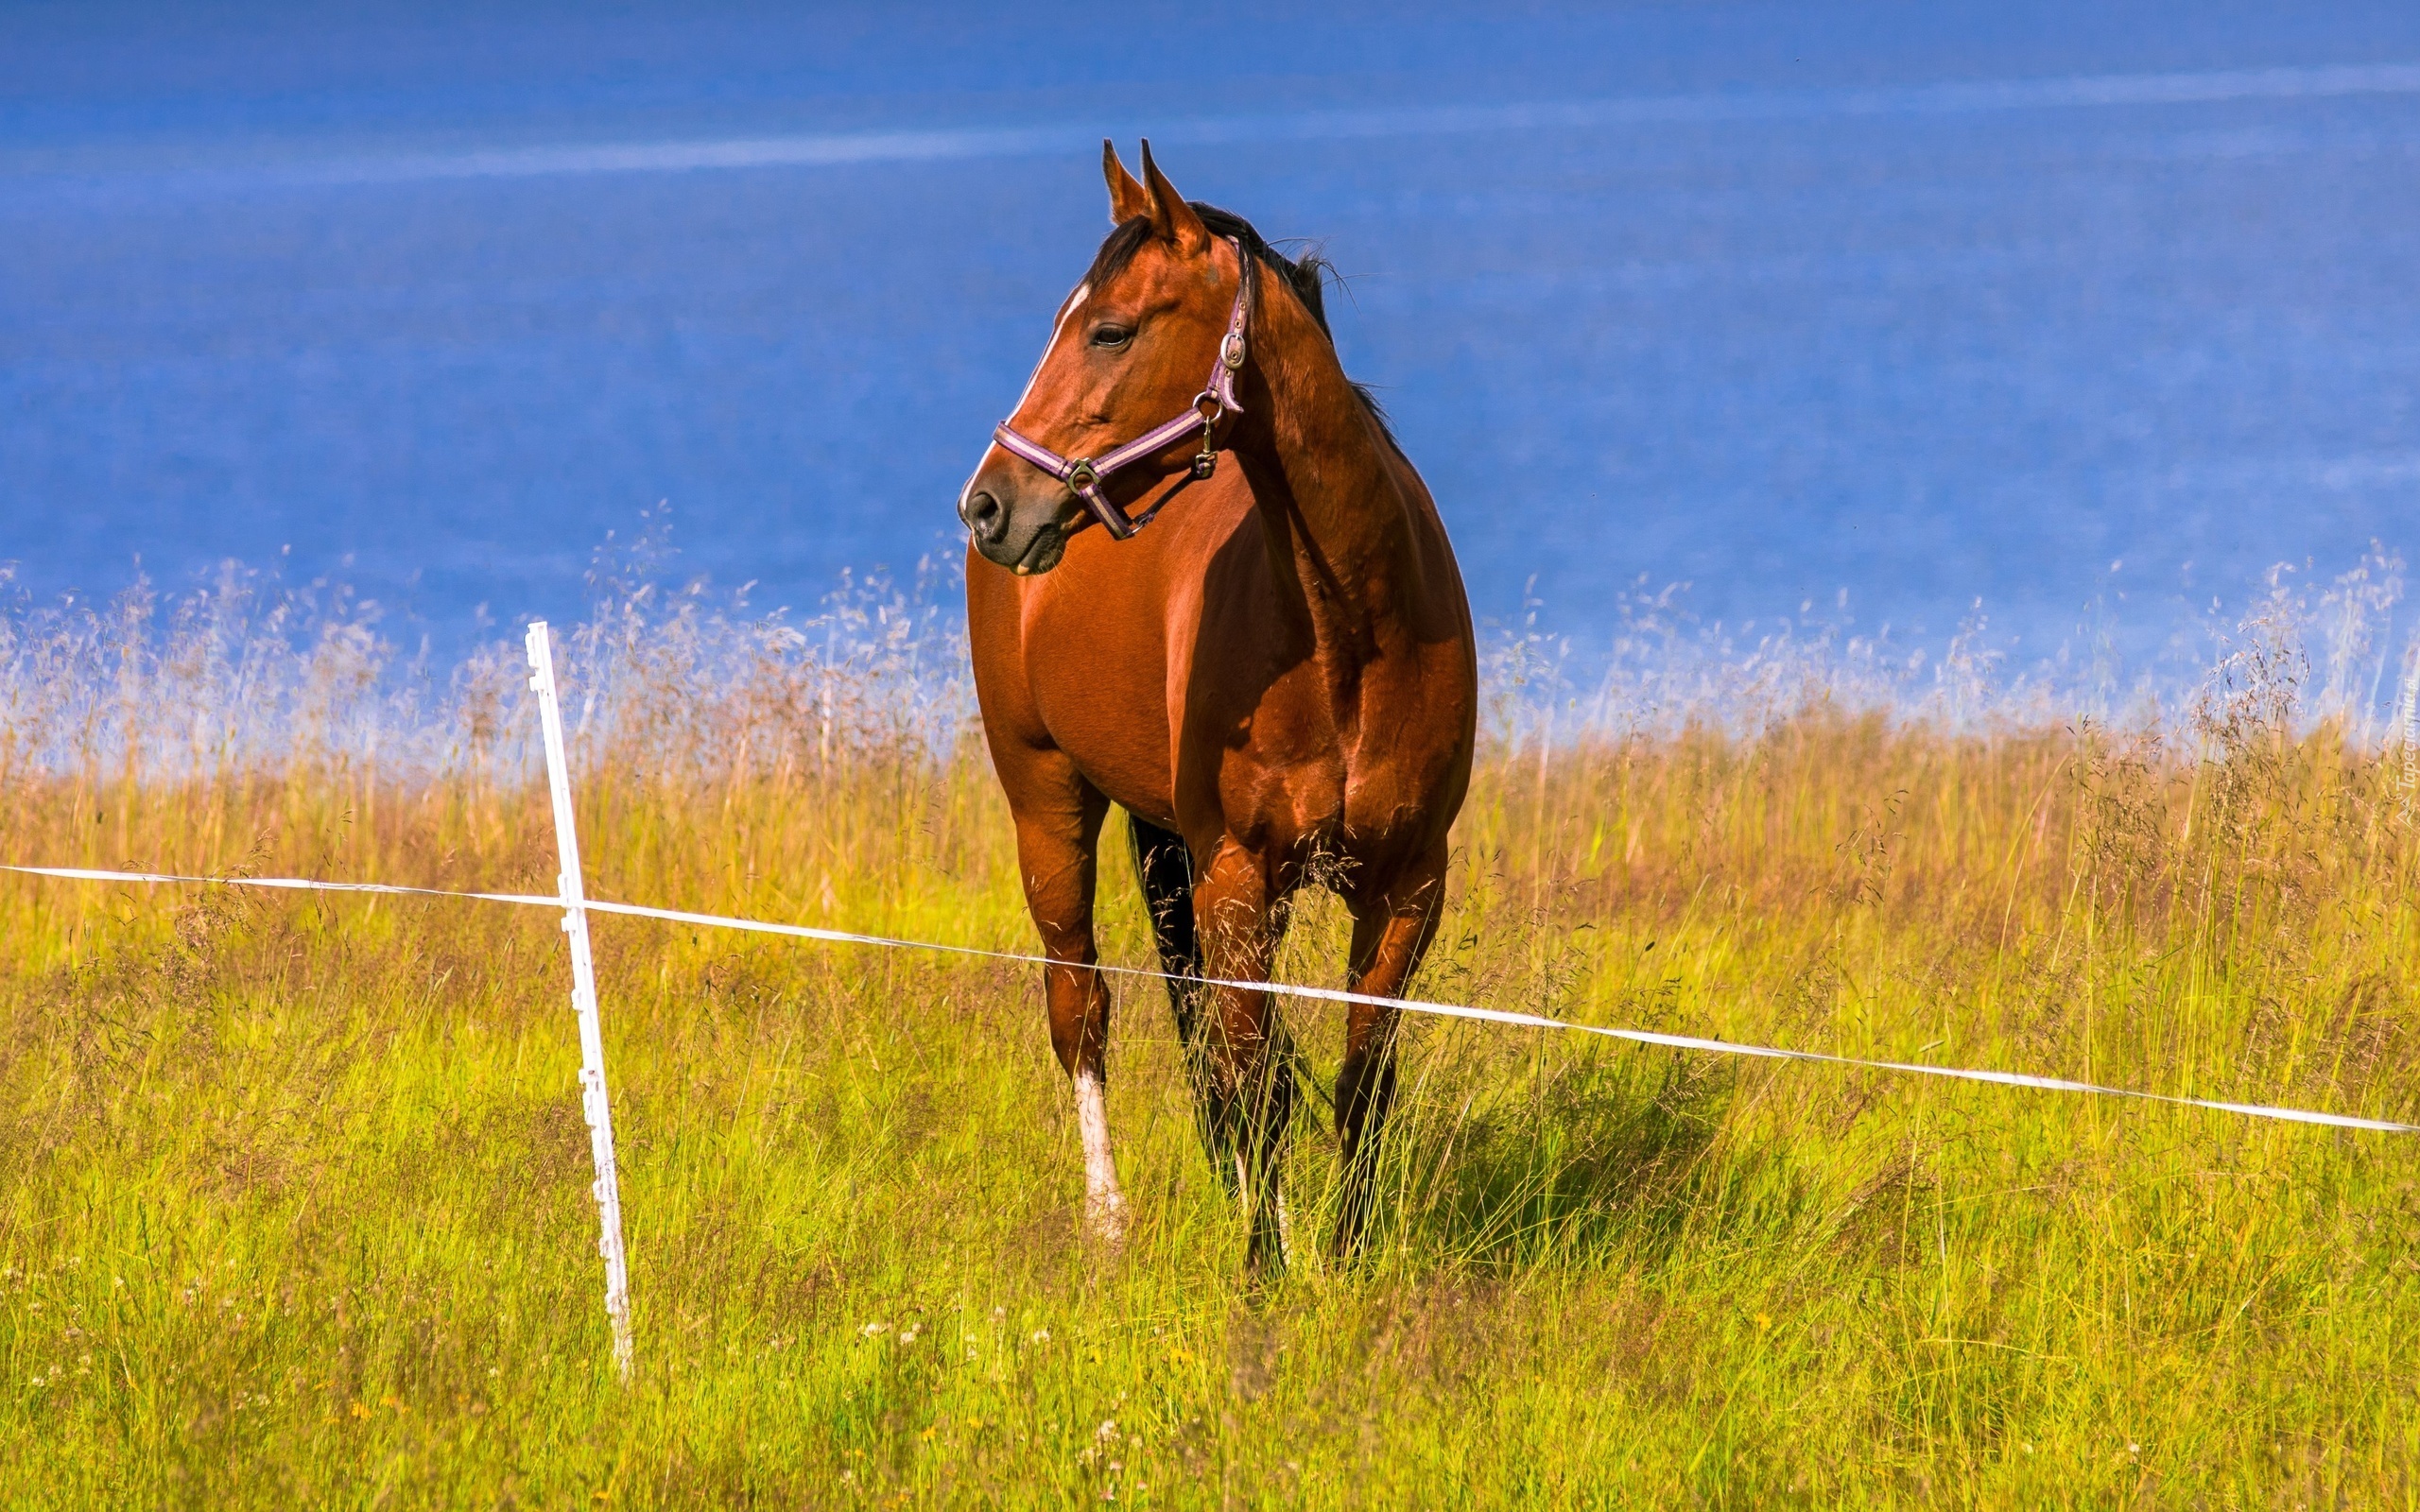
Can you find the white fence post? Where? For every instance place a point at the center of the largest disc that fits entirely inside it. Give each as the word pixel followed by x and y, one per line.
pixel 583 1001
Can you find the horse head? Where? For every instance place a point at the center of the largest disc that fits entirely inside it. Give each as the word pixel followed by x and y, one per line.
pixel 1165 301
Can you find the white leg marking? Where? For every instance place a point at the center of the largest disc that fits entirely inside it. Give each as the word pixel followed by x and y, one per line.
pixel 1104 1205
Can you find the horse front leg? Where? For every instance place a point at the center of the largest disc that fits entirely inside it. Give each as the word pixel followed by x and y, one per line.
pixel 1058 843
pixel 1238 921
pixel 1392 928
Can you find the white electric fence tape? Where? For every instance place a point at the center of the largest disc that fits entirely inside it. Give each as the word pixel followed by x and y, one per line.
pixel 593 1099
pixel 1445 1010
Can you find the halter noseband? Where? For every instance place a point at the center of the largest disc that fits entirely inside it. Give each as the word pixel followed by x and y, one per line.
pixel 1086 475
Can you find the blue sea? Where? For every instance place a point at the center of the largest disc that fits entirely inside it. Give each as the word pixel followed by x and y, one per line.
pixel 2078 318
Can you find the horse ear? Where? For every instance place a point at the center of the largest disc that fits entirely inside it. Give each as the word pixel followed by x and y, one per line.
pixel 1127 198
pixel 1170 215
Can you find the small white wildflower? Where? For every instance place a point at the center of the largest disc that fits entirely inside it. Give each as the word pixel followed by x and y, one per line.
pixel 1041 1335
pixel 1107 1431
pixel 873 1329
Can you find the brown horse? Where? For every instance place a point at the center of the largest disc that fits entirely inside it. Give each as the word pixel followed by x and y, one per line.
pixel 1277 682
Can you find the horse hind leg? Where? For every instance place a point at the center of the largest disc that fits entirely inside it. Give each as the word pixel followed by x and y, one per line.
pixel 1164 868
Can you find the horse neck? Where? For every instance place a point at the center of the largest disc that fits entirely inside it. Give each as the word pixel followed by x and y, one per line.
pixel 1329 502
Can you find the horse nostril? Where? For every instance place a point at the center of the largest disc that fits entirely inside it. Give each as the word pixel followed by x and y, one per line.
pixel 984 516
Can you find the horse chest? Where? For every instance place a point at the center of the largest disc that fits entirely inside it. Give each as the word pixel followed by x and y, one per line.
pixel 1282 805
pixel 1308 773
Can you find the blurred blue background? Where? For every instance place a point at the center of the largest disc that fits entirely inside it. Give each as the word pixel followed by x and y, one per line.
pixel 2086 311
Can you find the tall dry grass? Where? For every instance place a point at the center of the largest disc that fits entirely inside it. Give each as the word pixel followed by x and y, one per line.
pixel 293 1190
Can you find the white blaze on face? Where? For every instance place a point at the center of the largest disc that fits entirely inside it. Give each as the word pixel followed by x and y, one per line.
pixel 1104 1205
pixel 1058 329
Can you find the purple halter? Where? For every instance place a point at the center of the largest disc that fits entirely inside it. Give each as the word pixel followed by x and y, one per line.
pixel 1086 475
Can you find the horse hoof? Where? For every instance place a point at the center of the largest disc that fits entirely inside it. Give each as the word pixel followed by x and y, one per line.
pixel 1266 1255
pixel 1105 1219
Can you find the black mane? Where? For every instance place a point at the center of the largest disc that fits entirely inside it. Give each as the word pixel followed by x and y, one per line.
pixel 1306 275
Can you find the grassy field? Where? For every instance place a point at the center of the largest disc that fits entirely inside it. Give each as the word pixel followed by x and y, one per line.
pixel 293 1190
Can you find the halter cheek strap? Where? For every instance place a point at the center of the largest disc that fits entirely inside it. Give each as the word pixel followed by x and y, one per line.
pixel 1086 475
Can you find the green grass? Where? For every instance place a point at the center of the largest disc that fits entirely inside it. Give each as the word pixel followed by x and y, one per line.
pixel 294 1206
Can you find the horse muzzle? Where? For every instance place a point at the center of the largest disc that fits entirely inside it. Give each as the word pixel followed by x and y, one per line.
pixel 1024 530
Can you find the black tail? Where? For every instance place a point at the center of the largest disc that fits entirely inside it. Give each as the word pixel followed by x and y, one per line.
pixel 1165 870
pixel 1165 866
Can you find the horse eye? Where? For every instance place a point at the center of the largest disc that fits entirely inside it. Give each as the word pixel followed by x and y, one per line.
pixel 1111 335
